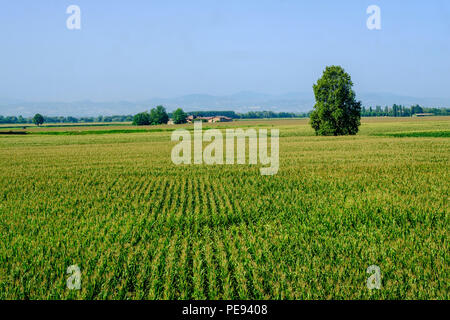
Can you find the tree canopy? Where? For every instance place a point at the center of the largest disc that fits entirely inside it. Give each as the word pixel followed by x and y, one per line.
pixel 159 115
pixel 179 116
pixel 38 119
pixel 142 119
pixel 336 111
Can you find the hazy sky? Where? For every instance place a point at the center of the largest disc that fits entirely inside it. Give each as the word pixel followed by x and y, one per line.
pixel 132 50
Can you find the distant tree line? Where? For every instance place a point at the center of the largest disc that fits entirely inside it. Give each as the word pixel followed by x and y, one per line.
pixel 270 114
pixel 179 115
pixel 47 119
pixel 401 111
pixel 248 115
pixel 230 114
pixel 159 117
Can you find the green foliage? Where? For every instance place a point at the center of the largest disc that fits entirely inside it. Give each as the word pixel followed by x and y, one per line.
pixel 270 115
pixel 38 119
pixel 249 115
pixel 416 109
pixel 402 111
pixel 336 111
pixel 179 116
pixel 158 115
pixel 142 119
pixel 69 119
pixel 206 113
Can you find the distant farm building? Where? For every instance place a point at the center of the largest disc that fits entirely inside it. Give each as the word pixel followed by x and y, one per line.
pixel 220 119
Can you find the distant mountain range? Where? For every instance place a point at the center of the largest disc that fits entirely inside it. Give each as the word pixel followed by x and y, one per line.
pixel 239 102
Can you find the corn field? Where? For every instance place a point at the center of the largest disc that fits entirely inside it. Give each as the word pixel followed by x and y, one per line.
pixel 140 227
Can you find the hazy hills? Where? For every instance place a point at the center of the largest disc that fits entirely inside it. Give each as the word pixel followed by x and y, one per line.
pixel 239 102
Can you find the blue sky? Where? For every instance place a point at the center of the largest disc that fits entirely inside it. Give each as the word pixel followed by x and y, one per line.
pixel 133 50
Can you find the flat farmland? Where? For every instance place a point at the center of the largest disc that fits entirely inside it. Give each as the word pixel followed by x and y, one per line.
pixel 110 200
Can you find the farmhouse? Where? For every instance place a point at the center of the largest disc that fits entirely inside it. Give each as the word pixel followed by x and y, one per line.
pixel 191 118
pixel 220 119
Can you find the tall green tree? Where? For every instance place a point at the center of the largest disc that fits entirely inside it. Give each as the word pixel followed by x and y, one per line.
pixel 159 115
pixel 38 119
pixel 179 116
pixel 336 111
pixel 142 119
pixel 416 109
pixel 395 110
